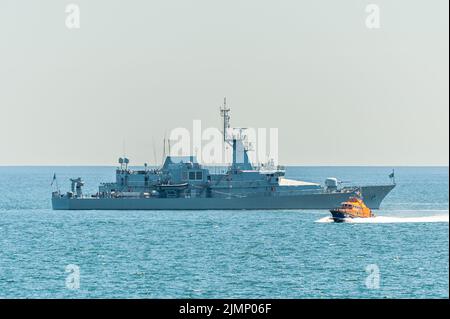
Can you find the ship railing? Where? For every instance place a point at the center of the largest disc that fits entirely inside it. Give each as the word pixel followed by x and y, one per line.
pixel 269 168
pixel 129 183
pixel 295 192
pixel 136 183
pixel 217 170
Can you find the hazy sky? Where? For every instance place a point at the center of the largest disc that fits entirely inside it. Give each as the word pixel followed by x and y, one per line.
pixel 338 92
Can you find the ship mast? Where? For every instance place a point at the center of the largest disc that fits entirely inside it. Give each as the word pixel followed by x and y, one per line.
pixel 225 113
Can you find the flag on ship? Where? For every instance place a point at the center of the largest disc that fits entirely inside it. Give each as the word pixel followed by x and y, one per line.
pixel 392 175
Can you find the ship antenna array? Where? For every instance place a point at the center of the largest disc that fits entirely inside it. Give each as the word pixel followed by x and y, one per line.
pixel 164 149
pixel 154 152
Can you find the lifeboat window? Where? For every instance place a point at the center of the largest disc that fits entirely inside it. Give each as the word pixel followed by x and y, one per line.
pixel 191 175
pixel 199 175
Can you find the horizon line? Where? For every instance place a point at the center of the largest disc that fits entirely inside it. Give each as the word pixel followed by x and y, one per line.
pixel 286 165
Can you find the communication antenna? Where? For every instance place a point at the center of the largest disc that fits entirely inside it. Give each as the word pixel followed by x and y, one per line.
pixel 164 148
pixel 154 151
pixel 168 146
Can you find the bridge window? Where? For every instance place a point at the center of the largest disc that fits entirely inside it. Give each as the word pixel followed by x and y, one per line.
pixel 198 175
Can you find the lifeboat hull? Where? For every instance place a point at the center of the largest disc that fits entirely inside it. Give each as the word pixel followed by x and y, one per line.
pixel 340 216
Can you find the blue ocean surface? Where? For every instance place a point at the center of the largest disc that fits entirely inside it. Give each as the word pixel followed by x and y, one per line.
pixel 402 253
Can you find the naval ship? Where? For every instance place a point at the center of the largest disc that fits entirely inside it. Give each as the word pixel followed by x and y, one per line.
pixel 182 183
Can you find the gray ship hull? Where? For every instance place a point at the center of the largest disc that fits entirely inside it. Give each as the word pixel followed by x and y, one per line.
pixel 373 195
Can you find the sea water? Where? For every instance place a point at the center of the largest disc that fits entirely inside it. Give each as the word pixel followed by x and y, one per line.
pixel 402 253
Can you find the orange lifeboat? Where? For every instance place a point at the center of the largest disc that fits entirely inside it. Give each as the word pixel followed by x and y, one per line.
pixel 353 208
